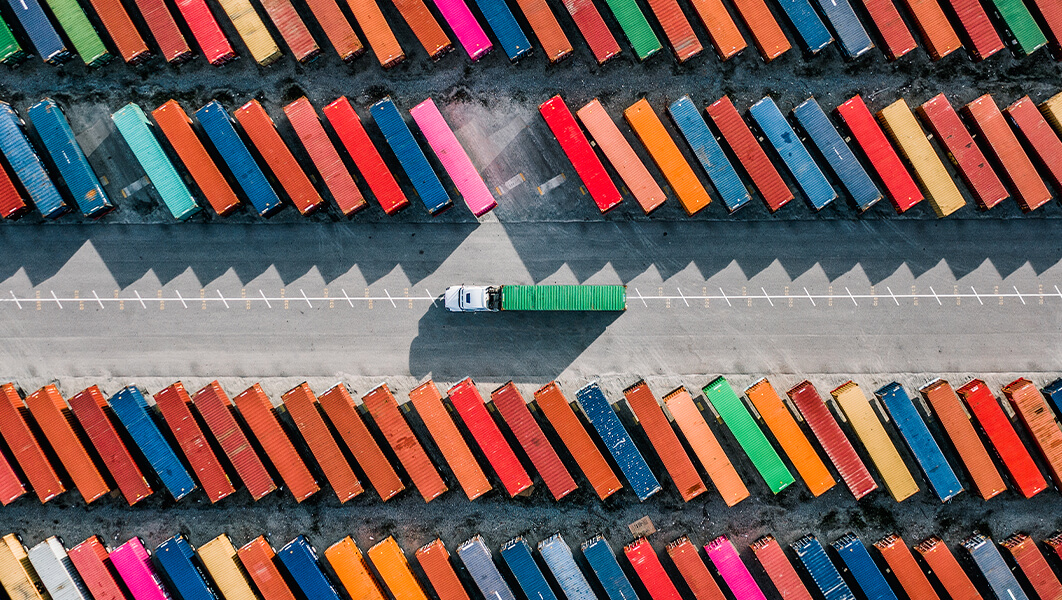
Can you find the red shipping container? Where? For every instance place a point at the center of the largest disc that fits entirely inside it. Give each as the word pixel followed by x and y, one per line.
pixel 126 38
pixel 336 27
pixel 262 131
pixel 89 408
pixel 11 203
pixel 766 34
pixel 88 559
pixel 348 127
pixel 1034 412
pixel 899 185
pixel 937 33
pixel 377 32
pixel 896 38
pixel 1055 543
pixel 257 558
pixel 177 127
pixel 11 488
pixel 677 29
pixel 1029 189
pixel 779 569
pixel 469 404
pixel 984 41
pixel 302 406
pixel 725 36
pixel 24 446
pixel 1050 21
pixel 597 35
pixel 292 29
pixel 206 31
pixel 436 418
pixel 175 406
pixel 513 408
pixel 435 561
pixel 425 27
pixel 216 409
pixel 582 156
pixel 168 36
pixel 691 566
pixel 661 434
pixel 258 412
pixel 904 566
pixel 764 176
pixel 942 563
pixel 343 413
pixel 383 407
pixel 1038 135
pixel 1034 566
pixel 985 408
pixel 833 441
pixel 50 412
pixel 972 165
pixel 647 565
pixel 307 125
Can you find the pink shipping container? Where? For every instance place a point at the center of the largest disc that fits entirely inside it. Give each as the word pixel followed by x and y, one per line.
pixel 734 572
pixel 453 157
pixel 307 125
pixel 465 27
pixel 133 563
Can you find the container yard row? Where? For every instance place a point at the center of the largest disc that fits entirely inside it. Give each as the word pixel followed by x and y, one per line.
pixel 997 153
pixel 955 439
pixel 984 28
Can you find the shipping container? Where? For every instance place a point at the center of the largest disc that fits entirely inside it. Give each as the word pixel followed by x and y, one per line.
pixel 597 35
pixel 781 572
pixel 669 450
pixel 12 204
pixel 905 568
pixel 17 576
pixel 88 558
pixel 934 179
pixel 307 125
pixel 680 176
pixel 833 441
pixel 851 35
pixel 79 31
pixel 677 29
pixel 435 562
pixel 350 566
pixel 1041 423
pixel 558 556
pixel 1032 563
pixel 253 32
pixel 215 408
pixel 453 157
pixel 734 572
pixel 132 562
pixel 815 560
pixel 340 409
pixel 896 38
pixel 384 410
pixel 292 29
pixel 546 28
pixel 690 123
pixel 862 568
pixel 132 410
pixel 600 413
pixel 547 297
pixel 602 561
pixel 578 150
pixel 336 28
pixel 517 556
pixel 11 487
pixel 425 27
pixel 219 557
pixel 771 122
pixel 1052 111
pixel 513 409
pixel 980 33
pixel 1025 35
pixel 391 564
pixel 838 155
pixel 465 27
pixel 1038 137
pixel 937 34
pixel 55 420
pixel 899 186
pixel 10 51
pixel 176 560
pixel 693 570
pixel 217 124
pixel 566 424
pixel 174 403
pixel 172 45
pixel 1055 543
pixel 81 181
pixel 733 413
pixel 177 127
pixel 132 123
pixel 410 156
pixel 367 159
pixel 301 563
pixel 621 156
pixel 699 436
pixel 428 402
pixel 942 563
pixel 510 36
pixel 920 441
pixel 378 33
pixel 809 27
pixel 57 573
pixel 480 565
pixel 258 559
pixel 723 32
pixel 973 167
pixel 992 567
pixel 753 159
pixel 956 423
pixel 40 31
pixel 1049 17
pixel 650 571
pixel 473 412
pixel 261 418
pixel 767 35
pixel 25 448
pixel 260 128
pixel 27 166
pixel 1029 190
pixel 639 34
pixel 1053 393
pixel 304 410
pixel 206 31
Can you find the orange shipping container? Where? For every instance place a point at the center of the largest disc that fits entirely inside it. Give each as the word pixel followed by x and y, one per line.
pixel 257 558
pixel 216 409
pixel 393 568
pixel 662 436
pixel 513 408
pixel 336 27
pixel 343 413
pixel 706 446
pixel 302 406
pixel 435 561
pixel 766 33
pixel 425 27
pixel 666 155
pixel 622 157
pixel 942 563
pixel 177 127
pixel 903 565
pixel 725 35
pixel 24 446
pixel 1034 412
pixel 383 407
pixel 691 566
pixel 306 122
pixel 986 478
pixel 937 33
pixel 175 405
pixel 377 32
pixel 353 572
pixel 428 401
pixel 548 31
pixel 50 412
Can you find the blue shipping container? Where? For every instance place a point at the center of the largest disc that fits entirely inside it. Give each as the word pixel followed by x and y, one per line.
pixel 480 565
pixel 218 126
pixel 176 558
pixel 1053 392
pixel 300 560
pixel 920 441
pixel 809 27
pixel 506 29
pixel 35 23
pixel 619 443
pixel 817 189
pixel 54 130
pixel 867 575
pixel 131 409
pixel 27 165
pixel 984 553
pixel 566 572
pixel 838 155
pixel 410 155
pixel 517 556
pixel 851 35
pixel 823 573
pixel 607 570
pixel 706 148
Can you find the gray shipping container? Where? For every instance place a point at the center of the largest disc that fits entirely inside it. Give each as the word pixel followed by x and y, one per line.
pixel 561 563
pixel 56 571
pixel 480 564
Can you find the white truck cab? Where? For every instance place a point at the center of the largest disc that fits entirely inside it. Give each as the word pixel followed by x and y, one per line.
pixel 472 298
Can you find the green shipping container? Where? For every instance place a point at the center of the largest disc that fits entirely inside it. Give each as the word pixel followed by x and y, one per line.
pixel 748 434
pixel 635 27
pixel 80 31
pixel 10 51
pixel 564 297
pixel 1023 29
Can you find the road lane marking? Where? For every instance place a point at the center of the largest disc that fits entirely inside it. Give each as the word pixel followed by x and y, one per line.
pixel 268 305
pixel 223 299
pixel 851 296
pixel 978 296
pixel 939 303
pixel 1019 294
pixel 766 296
pixel 511 183
pixel 393 305
pixel 893 295
pixel 17 303
pixel 100 302
pixel 551 184
pixel 430 297
pixel 57 300
pixel 349 301
pixel 725 298
pixel 684 297
pixel 809 296
pixel 142 305
pixel 305 298
pixel 181 298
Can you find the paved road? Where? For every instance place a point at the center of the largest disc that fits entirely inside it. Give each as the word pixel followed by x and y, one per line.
pixel 315 299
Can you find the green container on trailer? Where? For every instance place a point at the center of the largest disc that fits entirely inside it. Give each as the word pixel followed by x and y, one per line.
pixel 632 21
pixel 564 297
pixel 10 51
pixel 80 31
pixel 1025 32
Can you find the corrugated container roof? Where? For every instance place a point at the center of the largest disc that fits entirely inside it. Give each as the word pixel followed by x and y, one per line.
pixel 292 29
pixel 302 406
pixel 425 27
pixel 680 35
pixel 937 35
pixel 1023 27
pixel 252 30
pixel 353 571
pixel 345 418
pixel 734 572
pixel 517 556
pixel 54 130
pixel 1029 190
pixel 469 405
pixel 986 556
pixel 175 405
pixel 208 35
pixel 132 561
pixel 465 27
pixel 480 565
pixel 16 573
pixel 1032 563
pixel 453 157
pixel 942 563
pixel 547 29
pixel 216 409
pixel 668 158
pixel 761 23
pixel 428 402
pixel 435 562
pixel 123 33
pixel 862 567
pixel 851 35
pixel 1030 405
pixel 217 124
pixel 391 564
pixel 564 297
pixel 513 408
pixel 621 156
pixel 336 27
pixel 174 557
pixel 558 556
pixel 383 407
pixel 56 571
pixel 904 567
pixel 753 159
pixel 979 466
pixel 779 569
pixel 88 406
pixel 577 148
pixel 809 27
pixel 899 186
pixel 607 570
pixel 11 488
pixel 259 415
pixel 658 429
pixel 619 443
pixel 307 125
pixel 832 147
pixel 347 125
pixel 12 204
pixel 687 117
pixel 219 558
pixel 257 558
pixel 699 436
pixel 87 557
pixel 27 166
pixel 576 439
pixel 725 36
pixel 647 566
pixel 597 35
pixel 377 32
pixel 301 563
pixel 410 155
pixel 772 124
pixel 979 29
pixel 692 568
pixel 811 553
pixel 1037 134
pixel 510 35
pixel 24 446
pixel 639 34
pixel 790 437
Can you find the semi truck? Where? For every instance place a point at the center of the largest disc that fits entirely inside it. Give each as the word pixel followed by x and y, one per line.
pixel 487 298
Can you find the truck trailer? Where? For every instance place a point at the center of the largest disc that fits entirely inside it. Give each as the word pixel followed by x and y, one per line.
pixel 490 298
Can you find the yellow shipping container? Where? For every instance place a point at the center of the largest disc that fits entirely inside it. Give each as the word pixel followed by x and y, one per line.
pixel 1052 109
pixel 937 184
pixel 252 30
pixel 391 564
pixel 219 558
pixel 17 576
pixel 349 564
